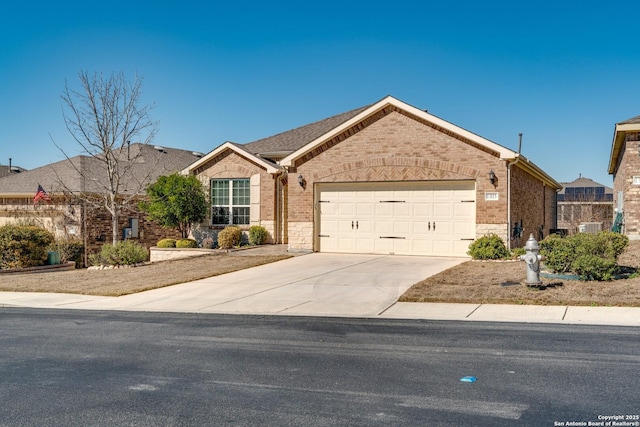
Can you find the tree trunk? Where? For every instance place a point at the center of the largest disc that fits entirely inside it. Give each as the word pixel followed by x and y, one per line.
pixel 114 223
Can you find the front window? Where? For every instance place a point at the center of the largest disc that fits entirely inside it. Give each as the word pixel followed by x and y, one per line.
pixel 230 201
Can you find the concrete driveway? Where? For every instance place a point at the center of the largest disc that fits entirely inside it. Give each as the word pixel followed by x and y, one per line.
pixel 314 284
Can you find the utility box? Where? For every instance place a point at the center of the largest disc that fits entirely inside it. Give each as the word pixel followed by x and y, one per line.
pixel 133 225
pixel 590 227
pixel 126 233
pixel 53 258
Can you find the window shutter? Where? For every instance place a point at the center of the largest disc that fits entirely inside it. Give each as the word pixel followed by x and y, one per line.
pixel 254 213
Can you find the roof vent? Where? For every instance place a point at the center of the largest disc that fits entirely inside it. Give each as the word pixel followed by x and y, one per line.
pixel 14 169
pixel 159 148
pixel 197 154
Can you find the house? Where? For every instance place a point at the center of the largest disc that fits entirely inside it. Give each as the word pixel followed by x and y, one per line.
pixel 385 178
pixel 585 205
pixel 624 165
pixel 66 215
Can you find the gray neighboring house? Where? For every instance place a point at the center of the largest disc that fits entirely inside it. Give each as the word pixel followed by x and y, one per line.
pixel 585 205
pixel 67 216
pixel 6 170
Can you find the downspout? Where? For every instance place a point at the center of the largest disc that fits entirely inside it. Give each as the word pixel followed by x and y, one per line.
pixel 509 191
pixel 277 227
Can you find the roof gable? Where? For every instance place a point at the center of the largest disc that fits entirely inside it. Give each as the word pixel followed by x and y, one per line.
pixel 237 148
pixel 387 102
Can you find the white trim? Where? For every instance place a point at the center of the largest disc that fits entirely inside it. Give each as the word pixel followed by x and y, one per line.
pixel 628 127
pixel 270 168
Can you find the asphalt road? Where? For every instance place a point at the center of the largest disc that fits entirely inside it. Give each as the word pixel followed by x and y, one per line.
pixel 68 368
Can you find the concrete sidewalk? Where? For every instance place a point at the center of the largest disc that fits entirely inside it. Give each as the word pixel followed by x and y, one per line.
pixel 615 316
pixel 330 285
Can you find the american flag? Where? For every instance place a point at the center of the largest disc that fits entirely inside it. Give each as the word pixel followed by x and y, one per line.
pixel 41 195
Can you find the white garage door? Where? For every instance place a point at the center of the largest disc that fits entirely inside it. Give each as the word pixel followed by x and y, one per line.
pixel 419 218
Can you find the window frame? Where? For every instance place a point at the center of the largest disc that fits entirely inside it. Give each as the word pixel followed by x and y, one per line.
pixel 234 201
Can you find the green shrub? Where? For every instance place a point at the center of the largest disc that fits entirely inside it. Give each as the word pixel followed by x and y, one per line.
pixel 612 244
pixel 69 250
pixel 559 253
pixel 517 252
pixel 167 243
pixel 257 235
pixel 126 252
pixel 490 246
pixel 229 237
pixel 186 243
pixel 592 267
pixel 591 256
pixel 23 246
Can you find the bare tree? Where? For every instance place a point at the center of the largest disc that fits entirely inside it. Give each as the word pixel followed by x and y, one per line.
pixel 103 116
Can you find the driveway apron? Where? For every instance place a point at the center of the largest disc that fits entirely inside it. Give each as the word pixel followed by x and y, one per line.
pixel 315 284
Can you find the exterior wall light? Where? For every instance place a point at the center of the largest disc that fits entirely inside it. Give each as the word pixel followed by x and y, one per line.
pixel 492 177
pixel 301 181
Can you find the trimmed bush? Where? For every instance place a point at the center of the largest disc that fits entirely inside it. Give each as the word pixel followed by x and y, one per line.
pixel 591 256
pixel 229 237
pixel 126 252
pixel 559 253
pixel 167 243
pixel 69 250
pixel 186 243
pixel 517 252
pixel 257 235
pixel 490 246
pixel 23 246
pixel 592 267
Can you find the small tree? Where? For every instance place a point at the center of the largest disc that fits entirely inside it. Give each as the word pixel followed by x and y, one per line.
pixel 176 201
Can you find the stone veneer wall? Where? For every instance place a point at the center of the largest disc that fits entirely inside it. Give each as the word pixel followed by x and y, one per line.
pixel 501 230
pixel 165 254
pixel 300 236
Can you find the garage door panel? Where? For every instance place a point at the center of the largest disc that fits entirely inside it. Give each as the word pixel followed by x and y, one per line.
pixel 402 210
pixel 402 228
pixel 364 209
pixel 422 218
pixel 382 246
pixel 383 228
pixel 422 209
pixel 346 209
pixel 402 247
pixel 422 246
pixel 442 210
pixel 463 210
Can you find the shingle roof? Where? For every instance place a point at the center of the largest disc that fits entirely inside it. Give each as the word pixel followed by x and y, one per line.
pixel 584 182
pixel 296 138
pixel 6 171
pixel 150 164
pixel 630 121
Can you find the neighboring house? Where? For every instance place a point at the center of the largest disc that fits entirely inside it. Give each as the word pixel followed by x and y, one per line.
pixel 65 215
pixel 8 170
pixel 386 178
pixel 624 165
pixel 585 205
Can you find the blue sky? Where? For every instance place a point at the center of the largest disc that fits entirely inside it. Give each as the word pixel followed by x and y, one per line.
pixel 562 73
